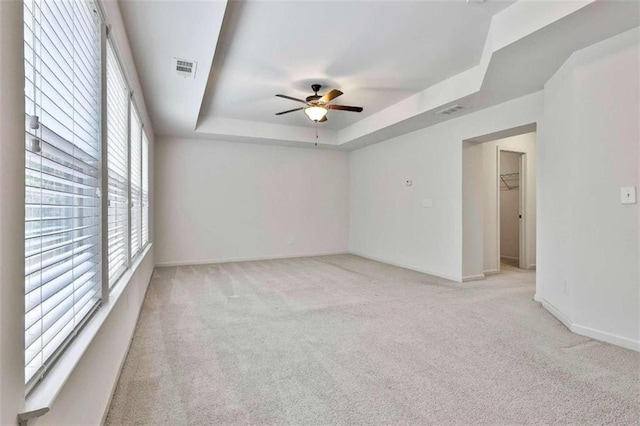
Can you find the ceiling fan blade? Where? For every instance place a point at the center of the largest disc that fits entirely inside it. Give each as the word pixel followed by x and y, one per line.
pixel 328 97
pixel 345 108
pixel 292 99
pixel 323 119
pixel 291 110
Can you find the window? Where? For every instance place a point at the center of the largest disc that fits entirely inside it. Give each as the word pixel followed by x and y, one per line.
pixel 117 166
pixel 136 181
pixel 65 172
pixel 145 189
pixel 62 196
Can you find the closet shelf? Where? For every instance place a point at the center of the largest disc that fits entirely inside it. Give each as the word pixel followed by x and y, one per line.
pixel 509 181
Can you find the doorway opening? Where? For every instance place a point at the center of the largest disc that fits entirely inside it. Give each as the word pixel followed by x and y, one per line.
pixel 499 202
pixel 511 201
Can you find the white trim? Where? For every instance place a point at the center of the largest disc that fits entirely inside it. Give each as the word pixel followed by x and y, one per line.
pixel 557 313
pixel 407 266
pixel 509 257
pixel 497 248
pixel 491 272
pixel 582 330
pixel 244 259
pixel 538 298
pixel 257 258
pixel 104 164
pixel 532 266
pixel 523 213
pixel 49 388
pixel 473 278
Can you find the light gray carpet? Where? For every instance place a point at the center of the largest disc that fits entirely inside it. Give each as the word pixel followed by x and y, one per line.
pixel 345 340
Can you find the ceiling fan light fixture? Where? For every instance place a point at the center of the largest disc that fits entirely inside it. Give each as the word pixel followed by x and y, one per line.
pixel 315 113
pixel 315 106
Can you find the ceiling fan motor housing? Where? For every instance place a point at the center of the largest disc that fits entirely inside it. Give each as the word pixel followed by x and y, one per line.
pixel 314 98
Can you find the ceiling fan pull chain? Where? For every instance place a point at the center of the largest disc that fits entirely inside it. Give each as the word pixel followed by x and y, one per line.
pixel 316 126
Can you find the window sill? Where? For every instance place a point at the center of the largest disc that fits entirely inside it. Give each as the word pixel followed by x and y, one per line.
pixel 39 401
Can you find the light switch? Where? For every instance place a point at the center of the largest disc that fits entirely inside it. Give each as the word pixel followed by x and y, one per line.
pixel 628 195
pixel 427 203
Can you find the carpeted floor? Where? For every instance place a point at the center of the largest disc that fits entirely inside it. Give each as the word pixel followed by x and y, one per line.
pixel 345 340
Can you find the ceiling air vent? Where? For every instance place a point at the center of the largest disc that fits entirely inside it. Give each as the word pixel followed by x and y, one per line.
pixel 184 68
pixel 453 109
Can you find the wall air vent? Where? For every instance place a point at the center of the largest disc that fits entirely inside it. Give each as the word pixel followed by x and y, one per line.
pixel 453 109
pixel 185 68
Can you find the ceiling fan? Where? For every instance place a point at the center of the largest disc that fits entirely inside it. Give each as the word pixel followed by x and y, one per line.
pixel 317 106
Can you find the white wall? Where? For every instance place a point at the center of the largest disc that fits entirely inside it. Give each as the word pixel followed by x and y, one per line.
pixel 588 242
pixel 222 201
pixel 84 397
pixel 472 212
pixel 525 143
pixel 510 207
pixel 387 219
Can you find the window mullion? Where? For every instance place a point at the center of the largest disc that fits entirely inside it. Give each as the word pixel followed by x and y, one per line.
pixel 118 129
pixel 141 191
pixel 129 201
pixel 104 167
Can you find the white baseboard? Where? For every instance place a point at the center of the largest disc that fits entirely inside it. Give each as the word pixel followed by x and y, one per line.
pixel 564 319
pixel 532 266
pixel 592 333
pixel 249 259
pixel 509 257
pixel 606 337
pixel 537 298
pixel 244 259
pixel 491 272
pixel 407 266
pixel 473 278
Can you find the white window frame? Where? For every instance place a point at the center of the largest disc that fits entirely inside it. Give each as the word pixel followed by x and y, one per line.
pixel 135 205
pixel 144 188
pixel 109 277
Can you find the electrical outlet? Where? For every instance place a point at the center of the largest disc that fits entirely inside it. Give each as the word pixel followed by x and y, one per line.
pixel 628 195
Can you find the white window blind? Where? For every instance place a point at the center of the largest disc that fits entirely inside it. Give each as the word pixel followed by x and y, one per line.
pixel 117 166
pixel 136 182
pixel 62 212
pixel 145 189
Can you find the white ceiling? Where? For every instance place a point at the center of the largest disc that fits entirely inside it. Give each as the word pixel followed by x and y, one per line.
pixel 158 32
pixel 376 52
pixel 400 60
